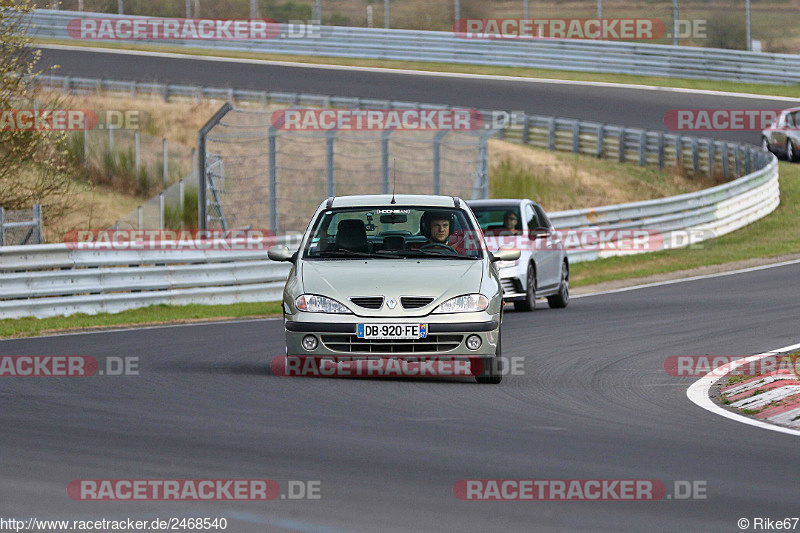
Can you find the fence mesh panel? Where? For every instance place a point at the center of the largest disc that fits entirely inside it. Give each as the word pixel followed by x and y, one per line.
pixel 256 168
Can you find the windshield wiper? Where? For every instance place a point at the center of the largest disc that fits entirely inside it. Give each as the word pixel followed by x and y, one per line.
pixel 433 253
pixel 344 252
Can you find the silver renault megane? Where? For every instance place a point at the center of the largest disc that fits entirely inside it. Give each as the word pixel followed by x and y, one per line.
pixel 395 276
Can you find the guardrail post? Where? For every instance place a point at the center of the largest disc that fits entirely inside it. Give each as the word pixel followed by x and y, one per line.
pixel 136 158
pixel 2 229
pixel 576 136
pixel 551 134
pixel 166 155
pixel 181 200
pixel 385 159
pixel 437 161
pixel 37 218
pixel 621 143
pixel 712 158
pixel 133 89
pixel 161 211
pixel 695 156
pixel 526 125
pixel 601 138
pixel 330 177
pixel 660 150
pixel 737 160
pixel 139 217
pixel 643 148
pixel 66 84
pixel 679 152
pixel 726 170
pixel 748 161
pixel 273 178
pixel 165 92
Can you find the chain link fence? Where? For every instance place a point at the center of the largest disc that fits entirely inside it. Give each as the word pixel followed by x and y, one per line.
pixel 261 176
pixel 21 226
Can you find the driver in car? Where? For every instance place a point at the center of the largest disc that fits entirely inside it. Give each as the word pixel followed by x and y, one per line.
pixel 439 229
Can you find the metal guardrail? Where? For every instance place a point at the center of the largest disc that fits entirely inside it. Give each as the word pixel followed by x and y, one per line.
pixel 446 47
pixel 54 279
pixel 608 141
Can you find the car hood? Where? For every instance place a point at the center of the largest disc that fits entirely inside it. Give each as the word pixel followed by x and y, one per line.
pixel 440 279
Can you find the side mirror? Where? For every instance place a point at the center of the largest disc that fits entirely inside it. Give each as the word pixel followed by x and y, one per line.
pixel 506 254
pixel 280 253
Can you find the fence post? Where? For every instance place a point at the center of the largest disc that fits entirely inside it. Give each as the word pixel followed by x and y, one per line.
pixel 164 146
pixel 601 134
pixel 660 150
pixel 551 134
pixel 437 161
pixel 37 218
pixel 385 160
pixel 136 159
pixel 576 136
pixel 139 217
pixel 679 152
pixel 621 145
pixel 695 155
pixel 2 229
pixel 330 177
pixel 273 179
pixel 643 148
pixel 202 220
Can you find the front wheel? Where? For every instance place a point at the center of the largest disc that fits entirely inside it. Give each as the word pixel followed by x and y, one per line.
pixel 529 303
pixel 492 372
pixel 561 298
pixel 765 144
pixel 790 152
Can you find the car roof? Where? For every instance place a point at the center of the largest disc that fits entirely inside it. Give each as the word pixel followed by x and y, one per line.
pixel 496 202
pixel 791 109
pixel 373 200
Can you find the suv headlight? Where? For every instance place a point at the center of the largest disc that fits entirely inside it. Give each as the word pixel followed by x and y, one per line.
pixel 466 303
pixel 312 303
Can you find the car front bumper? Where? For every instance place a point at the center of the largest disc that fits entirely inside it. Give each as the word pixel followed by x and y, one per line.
pixel 444 338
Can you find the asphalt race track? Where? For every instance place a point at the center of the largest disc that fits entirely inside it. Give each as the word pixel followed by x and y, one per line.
pixel 594 402
pixel 612 105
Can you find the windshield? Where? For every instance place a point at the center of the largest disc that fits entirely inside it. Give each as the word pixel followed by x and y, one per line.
pixel 393 233
pixel 495 219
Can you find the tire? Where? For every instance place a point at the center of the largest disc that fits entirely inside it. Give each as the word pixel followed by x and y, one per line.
pixel 529 303
pixel 492 373
pixel 765 144
pixel 791 156
pixel 561 299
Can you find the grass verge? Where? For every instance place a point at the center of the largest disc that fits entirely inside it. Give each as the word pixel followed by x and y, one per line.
pixel 775 235
pixel 792 91
pixel 157 314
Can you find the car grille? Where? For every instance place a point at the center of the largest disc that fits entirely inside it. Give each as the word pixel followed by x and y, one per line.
pixel 415 302
pixel 368 302
pixel 431 343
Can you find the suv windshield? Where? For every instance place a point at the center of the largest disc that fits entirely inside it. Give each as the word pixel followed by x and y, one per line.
pixel 393 232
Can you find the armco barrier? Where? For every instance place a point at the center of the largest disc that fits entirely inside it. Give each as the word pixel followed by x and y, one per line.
pixel 446 47
pixel 50 280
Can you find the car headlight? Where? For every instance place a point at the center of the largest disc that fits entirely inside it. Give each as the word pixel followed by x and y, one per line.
pixel 467 303
pixel 313 303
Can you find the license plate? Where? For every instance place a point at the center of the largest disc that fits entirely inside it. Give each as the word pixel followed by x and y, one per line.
pixel 392 331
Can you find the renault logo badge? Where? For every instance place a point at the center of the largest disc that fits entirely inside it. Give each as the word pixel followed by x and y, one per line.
pixel 391 303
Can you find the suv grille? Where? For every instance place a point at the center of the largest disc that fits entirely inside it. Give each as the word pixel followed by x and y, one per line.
pixel 415 302
pixel 431 343
pixel 368 302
